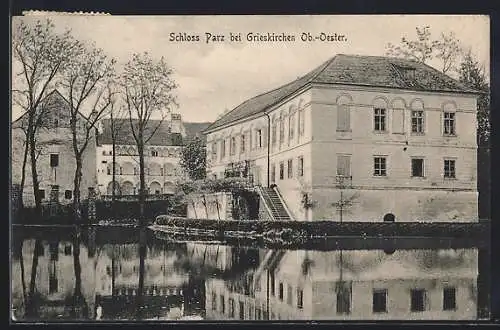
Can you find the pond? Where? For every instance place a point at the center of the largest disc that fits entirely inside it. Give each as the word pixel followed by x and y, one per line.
pixel 82 274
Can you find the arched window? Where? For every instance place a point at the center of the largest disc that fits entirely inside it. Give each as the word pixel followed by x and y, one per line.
pixel 155 169
pixel 380 115
pixel 128 188
pixel 344 113
pixel 291 126
pixel 155 188
pixel 282 128
pixel 301 122
pixel 398 116
pixel 417 117
pixel 274 128
pixel 127 168
pixel 449 119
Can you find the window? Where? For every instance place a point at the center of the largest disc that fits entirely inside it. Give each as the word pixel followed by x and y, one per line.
pixel 300 166
pixel 417 121
pixel 417 167
pixel 104 152
pixel 300 298
pixel 449 299
pixel 54 160
pixel 242 144
pixel 273 133
pixel 291 127
pixel 258 137
pixel 301 122
pixel 379 166
pixel 68 194
pixel 214 151
pixel 417 300
pixel 154 153
pixel 343 300
pixel 282 130
pixel 290 169
pixel 232 146
pixel 289 295
pixel 343 118
pixel 223 149
pixel 242 310
pixel 222 304
pixel 231 307
pixel 67 250
pixel 41 193
pixel 449 168
pixel 379 119
pixel 273 173
pixel 250 311
pixel 449 123
pixel 380 301
pixel 282 171
pixel 344 165
pixel 280 291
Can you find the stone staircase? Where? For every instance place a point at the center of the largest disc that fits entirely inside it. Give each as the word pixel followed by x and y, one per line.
pixel 274 204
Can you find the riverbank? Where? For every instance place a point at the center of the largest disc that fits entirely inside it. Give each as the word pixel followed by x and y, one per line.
pixel 297 231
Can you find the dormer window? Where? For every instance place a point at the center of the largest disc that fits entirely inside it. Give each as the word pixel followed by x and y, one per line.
pixel 407 72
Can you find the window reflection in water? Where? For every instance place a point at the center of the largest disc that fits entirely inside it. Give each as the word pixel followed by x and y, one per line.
pixel 221 282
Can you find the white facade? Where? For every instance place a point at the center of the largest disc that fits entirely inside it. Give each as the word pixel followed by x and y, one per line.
pixel 402 152
pixel 162 169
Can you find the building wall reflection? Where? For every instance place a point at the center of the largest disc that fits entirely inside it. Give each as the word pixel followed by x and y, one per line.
pixel 412 284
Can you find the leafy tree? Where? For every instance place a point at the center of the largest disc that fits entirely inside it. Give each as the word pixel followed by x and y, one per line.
pixel 39 54
pixel 473 74
pixel 193 159
pixel 147 86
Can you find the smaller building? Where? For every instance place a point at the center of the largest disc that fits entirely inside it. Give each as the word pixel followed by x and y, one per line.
pixel 162 155
pixel 55 156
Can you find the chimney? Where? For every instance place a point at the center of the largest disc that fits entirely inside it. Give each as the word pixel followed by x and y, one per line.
pixel 175 123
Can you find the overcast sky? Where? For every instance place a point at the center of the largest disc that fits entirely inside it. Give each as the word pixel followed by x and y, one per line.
pixel 216 76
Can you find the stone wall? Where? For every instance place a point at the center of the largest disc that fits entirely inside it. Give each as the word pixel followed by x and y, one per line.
pixel 214 206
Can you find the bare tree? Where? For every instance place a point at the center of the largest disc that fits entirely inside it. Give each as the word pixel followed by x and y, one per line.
pixel 448 50
pixel 147 88
pixel 423 49
pixel 85 82
pixel 40 53
pixel 116 122
pixel 419 50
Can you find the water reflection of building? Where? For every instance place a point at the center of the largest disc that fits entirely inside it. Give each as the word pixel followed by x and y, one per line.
pixel 222 257
pixel 55 277
pixel 411 284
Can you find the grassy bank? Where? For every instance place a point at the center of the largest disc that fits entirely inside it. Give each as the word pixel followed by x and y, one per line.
pixel 297 231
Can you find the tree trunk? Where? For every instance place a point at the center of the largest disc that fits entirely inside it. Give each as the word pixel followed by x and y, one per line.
pixel 23 174
pixel 31 306
pixel 113 142
pixel 142 189
pixel 23 280
pixel 76 190
pixel 140 291
pixel 34 173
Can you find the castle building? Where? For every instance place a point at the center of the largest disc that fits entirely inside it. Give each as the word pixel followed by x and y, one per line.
pixel 55 156
pixel 162 155
pixel 359 138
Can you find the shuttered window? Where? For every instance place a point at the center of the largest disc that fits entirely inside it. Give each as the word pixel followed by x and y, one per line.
pixel 344 165
pixel 398 121
pixel 343 118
